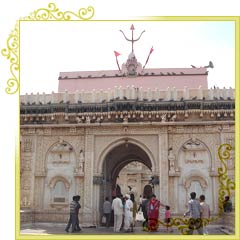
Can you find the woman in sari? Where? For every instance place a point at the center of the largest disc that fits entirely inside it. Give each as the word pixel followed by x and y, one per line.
pixel 153 213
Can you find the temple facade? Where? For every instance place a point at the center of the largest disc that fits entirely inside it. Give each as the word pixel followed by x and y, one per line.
pixel 163 123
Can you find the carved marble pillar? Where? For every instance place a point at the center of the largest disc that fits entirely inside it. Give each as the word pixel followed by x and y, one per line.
pixel 27 168
pixel 39 173
pixel 88 179
pixel 163 166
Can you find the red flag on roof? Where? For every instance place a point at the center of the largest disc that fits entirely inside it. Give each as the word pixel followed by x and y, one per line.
pixel 151 50
pixel 116 53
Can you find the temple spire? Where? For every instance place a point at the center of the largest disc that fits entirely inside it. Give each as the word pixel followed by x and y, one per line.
pixel 132 40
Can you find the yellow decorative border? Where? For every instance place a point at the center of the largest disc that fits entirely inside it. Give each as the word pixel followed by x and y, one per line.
pixel 52 13
pixel 12 54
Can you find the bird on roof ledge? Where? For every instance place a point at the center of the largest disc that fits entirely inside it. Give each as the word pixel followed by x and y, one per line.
pixel 210 65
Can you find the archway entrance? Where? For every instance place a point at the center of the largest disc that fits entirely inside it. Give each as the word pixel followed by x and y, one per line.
pixel 115 160
pixel 133 178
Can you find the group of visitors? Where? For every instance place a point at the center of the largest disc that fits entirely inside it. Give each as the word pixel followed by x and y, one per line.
pixel 198 210
pixel 125 210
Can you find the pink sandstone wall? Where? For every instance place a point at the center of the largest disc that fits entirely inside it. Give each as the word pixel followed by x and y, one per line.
pixel 178 78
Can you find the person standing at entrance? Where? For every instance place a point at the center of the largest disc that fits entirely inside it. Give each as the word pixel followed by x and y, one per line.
pixel 145 203
pixel 117 208
pixel 128 213
pixel 194 209
pixel 107 209
pixel 132 197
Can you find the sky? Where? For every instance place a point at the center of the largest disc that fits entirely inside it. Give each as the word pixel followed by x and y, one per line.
pixel 53 47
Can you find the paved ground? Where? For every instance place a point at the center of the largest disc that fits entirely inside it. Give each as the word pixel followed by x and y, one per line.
pixel 50 228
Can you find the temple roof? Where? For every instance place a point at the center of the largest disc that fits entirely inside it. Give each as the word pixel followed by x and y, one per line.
pixel 145 72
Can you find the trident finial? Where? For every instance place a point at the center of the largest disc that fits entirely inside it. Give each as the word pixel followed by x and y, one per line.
pixel 133 40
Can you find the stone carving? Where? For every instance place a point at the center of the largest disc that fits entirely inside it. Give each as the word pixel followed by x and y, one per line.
pixel 81 161
pixel 173 118
pixel 25 202
pixel 164 117
pixel 28 145
pixel 80 167
pixel 72 130
pixel 60 152
pixel 27 165
pixel 125 119
pixel 78 120
pixel 88 120
pixel 98 120
pixel 191 161
pixel 31 131
pixel 193 144
pixel 171 159
pixel 26 183
pixel 61 146
pixel 47 131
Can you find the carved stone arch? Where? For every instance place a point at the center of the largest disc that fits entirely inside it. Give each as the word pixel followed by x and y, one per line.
pixel 57 178
pixel 71 148
pixel 119 142
pixel 195 176
pixel 57 142
pixel 198 140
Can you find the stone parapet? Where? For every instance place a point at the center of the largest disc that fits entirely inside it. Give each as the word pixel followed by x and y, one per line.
pixel 128 93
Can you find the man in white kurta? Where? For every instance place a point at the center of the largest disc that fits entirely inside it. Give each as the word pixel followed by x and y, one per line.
pixel 128 213
pixel 117 208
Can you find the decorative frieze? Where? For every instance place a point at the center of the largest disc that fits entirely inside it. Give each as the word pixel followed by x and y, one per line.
pixel 47 131
pixel 28 145
pixel 193 161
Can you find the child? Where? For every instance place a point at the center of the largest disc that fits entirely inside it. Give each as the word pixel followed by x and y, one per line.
pixel 168 218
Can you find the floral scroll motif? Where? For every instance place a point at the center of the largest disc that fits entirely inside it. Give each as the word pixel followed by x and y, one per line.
pixel 52 13
pixel 225 183
pixel 12 54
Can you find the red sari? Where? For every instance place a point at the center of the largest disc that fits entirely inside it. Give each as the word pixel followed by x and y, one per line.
pixel 153 212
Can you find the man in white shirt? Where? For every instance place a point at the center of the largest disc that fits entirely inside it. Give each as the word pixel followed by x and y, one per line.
pixel 128 213
pixel 117 208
